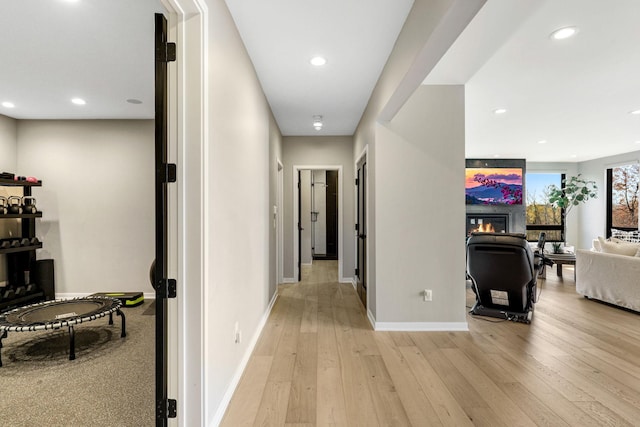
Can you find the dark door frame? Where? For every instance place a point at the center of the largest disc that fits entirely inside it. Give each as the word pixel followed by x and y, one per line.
pixel 361 230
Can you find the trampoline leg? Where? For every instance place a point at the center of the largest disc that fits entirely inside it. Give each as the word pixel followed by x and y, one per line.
pixel 72 343
pixel 4 335
pixel 124 332
pixel 111 318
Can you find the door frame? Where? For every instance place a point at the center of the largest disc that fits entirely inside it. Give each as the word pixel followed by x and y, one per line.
pixel 279 222
pixel 296 242
pixel 364 156
pixel 188 108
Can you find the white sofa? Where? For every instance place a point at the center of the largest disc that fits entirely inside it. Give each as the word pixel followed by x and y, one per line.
pixel 609 277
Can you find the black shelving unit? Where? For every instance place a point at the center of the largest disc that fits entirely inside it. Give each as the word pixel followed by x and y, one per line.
pixel 21 288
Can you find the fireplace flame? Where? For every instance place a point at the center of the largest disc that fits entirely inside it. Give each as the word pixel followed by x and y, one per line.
pixel 485 228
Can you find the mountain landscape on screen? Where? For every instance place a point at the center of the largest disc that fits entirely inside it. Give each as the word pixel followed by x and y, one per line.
pixel 493 186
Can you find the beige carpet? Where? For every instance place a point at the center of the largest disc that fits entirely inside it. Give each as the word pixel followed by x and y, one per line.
pixel 111 382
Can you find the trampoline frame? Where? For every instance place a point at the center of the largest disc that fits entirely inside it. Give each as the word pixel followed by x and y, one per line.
pixel 7 326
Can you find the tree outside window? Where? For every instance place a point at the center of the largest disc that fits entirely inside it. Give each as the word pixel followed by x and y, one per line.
pixel 541 215
pixel 623 191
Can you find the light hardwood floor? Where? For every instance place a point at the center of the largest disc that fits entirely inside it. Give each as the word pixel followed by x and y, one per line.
pixel 319 363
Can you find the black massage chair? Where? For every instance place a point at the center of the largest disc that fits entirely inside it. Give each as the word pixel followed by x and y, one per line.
pixel 503 270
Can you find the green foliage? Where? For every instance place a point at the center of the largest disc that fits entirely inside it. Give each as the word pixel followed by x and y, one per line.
pixel 573 192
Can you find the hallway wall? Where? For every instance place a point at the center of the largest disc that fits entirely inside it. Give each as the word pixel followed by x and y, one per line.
pixel 242 143
pixel 420 214
pixel 320 151
pixel 424 17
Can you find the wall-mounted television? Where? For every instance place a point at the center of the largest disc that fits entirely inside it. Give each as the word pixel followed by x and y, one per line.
pixel 493 186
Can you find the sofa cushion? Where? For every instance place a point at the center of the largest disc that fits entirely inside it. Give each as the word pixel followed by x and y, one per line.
pixel 618 247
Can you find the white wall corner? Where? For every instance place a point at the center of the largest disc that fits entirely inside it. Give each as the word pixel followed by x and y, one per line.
pixel 351 280
pixel 224 403
pixel 420 326
pixel 372 319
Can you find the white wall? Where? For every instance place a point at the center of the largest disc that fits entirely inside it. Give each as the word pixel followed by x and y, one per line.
pixel 419 26
pixel 96 198
pixel 317 150
pixel 420 215
pixel 238 208
pixel 593 213
pixel 8 144
pixel 8 159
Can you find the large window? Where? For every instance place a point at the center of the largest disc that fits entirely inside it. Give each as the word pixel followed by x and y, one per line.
pixel 622 197
pixel 542 216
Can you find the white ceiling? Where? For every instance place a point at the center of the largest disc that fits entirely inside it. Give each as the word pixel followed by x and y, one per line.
pixel 98 50
pixel 355 36
pixel 574 94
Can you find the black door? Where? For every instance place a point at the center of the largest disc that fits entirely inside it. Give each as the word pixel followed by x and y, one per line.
pixel 361 230
pixel 165 173
pixel 332 214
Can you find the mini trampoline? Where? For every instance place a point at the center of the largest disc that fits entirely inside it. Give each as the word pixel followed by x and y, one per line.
pixel 60 314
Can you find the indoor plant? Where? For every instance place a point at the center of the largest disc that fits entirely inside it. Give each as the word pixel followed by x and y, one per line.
pixel 574 191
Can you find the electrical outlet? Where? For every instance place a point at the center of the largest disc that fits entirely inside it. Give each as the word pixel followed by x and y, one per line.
pixel 428 295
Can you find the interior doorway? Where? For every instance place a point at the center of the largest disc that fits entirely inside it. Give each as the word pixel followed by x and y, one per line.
pixel 324 214
pixel 317 211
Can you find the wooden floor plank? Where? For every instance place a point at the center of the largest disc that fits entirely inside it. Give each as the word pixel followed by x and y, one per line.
pixel 242 410
pixel 319 363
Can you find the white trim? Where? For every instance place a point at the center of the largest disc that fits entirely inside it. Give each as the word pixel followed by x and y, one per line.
pixel 188 129
pixel 346 279
pixel 420 326
pixel 296 168
pixel 224 403
pixel 308 264
pixel 289 280
pixel 280 221
pixel 372 319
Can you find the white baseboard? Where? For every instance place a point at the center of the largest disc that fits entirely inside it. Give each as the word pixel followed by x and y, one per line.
pixel 420 326
pixel 372 319
pixel 289 280
pixel 217 419
pixel 347 280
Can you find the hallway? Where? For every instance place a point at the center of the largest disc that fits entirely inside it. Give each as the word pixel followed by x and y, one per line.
pixel 319 363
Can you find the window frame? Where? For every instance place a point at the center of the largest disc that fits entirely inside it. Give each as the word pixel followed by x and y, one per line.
pixel 609 208
pixel 549 227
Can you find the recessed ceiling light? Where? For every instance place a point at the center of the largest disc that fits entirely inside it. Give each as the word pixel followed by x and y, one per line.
pixel 78 101
pixel 134 101
pixel 499 111
pixel 564 33
pixel 317 122
pixel 7 104
pixel 573 156
pixel 496 155
pixel 634 112
pixel 318 61
pixel 637 142
pixel 542 141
